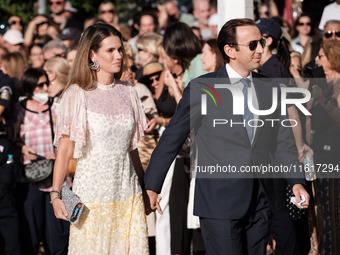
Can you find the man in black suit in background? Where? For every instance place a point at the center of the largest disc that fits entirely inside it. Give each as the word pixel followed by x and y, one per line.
pixel 234 210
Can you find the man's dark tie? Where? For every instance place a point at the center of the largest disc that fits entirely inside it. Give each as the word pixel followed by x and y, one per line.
pixel 248 115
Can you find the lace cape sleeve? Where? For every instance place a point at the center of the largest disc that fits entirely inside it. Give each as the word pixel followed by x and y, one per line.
pixel 71 119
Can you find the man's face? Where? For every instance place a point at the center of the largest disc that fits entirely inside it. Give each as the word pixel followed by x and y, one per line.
pixel 244 59
pixel 202 11
pixel 54 52
pixel 146 25
pixel 57 6
pixel 330 29
pixel 172 10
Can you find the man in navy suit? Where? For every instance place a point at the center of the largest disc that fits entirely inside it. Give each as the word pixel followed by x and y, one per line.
pixel 234 210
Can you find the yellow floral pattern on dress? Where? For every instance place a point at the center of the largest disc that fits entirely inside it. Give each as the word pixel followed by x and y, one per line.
pixel 111 229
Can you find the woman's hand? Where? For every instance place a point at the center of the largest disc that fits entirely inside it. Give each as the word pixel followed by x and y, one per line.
pixel 58 207
pixel 50 156
pixel 175 86
pixel 28 152
pixel 146 203
pixel 151 125
pixel 317 94
pixel 169 80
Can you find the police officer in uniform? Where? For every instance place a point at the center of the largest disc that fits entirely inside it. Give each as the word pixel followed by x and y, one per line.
pixel 9 223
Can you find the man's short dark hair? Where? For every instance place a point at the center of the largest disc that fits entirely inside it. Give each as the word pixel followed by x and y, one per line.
pixel 227 35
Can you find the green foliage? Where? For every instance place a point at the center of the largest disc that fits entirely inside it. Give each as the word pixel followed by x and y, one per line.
pixel 26 9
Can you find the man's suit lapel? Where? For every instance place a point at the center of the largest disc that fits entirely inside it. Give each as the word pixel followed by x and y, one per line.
pixel 264 100
pixel 222 74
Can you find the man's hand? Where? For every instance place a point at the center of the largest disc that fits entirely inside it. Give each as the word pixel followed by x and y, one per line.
pixel 302 150
pixel 154 201
pixel 298 191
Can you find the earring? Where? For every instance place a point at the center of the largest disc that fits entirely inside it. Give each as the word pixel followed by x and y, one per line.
pixel 94 65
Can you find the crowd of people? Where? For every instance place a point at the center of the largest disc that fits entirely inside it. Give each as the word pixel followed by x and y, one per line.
pixel 117 109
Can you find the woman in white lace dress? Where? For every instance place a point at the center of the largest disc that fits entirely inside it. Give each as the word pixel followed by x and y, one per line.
pixel 99 122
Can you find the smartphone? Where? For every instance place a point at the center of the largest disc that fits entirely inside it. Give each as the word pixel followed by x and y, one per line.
pixel 76 212
pixel 164 64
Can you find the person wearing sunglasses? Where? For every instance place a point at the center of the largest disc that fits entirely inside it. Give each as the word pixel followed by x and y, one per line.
pixel 234 212
pixel 38 26
pixel 107 12
pixel 330 31
pixel 16 23
pixel 61 17
pixel 35 115
pixel 304 31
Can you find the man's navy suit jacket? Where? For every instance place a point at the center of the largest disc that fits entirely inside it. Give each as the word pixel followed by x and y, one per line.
pixel 223 198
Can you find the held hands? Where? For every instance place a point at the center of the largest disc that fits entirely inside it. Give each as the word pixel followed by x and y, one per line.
pixel 146 202
pixel 154 199
pixel 299 191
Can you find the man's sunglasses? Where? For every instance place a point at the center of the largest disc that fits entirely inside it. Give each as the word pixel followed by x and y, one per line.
pixel 42 84
pixel 329 34
pixel 56 2
pixel 108 11
pixel 253 44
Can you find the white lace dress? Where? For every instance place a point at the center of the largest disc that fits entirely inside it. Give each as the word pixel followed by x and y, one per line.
pixel 105 122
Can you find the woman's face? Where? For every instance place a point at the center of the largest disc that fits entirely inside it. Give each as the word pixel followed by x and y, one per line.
pixel 107 13
pixel 15 23
pixel 42 85
pixel 208 58
pixel 130 73
pixel 322 60
pixel 70 57
pixel 304 26
pixel 109 56
pixel 43 28
pixel 295 62
pixel 36 57
pixel 144 57
pixel 155 80
pixel 53 32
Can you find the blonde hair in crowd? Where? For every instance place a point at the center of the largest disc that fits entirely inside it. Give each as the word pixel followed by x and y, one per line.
pixel 59 66
pixel 149 43
pixel 14 64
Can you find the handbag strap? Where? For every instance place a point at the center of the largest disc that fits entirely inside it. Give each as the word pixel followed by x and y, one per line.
pixel 50 103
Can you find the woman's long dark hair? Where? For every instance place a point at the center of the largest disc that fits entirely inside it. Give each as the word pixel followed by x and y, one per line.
pixel 179 42
pixel 283 52
pixel 29 81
